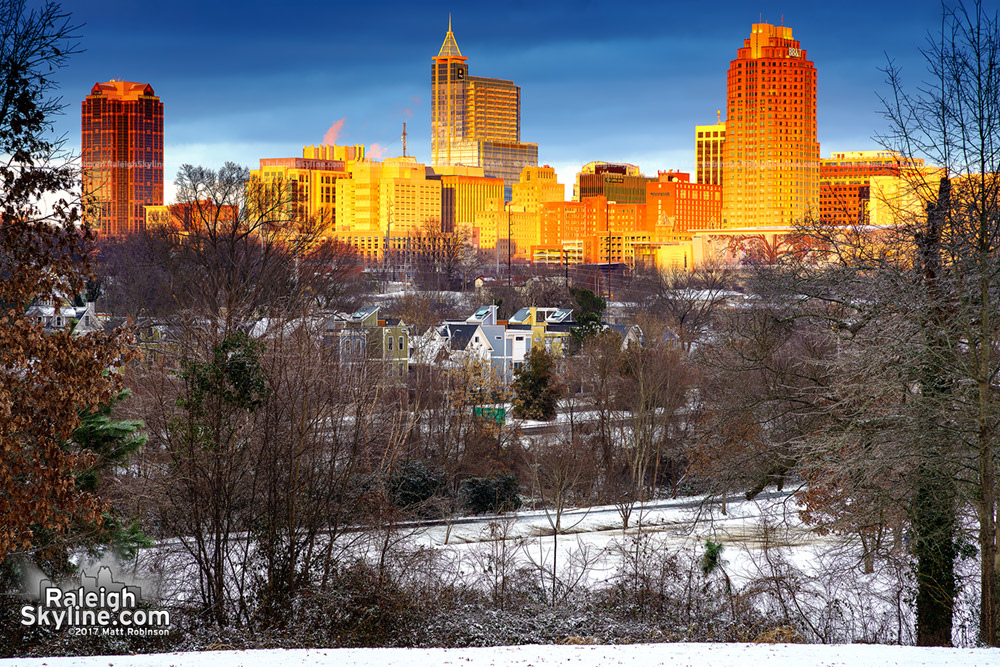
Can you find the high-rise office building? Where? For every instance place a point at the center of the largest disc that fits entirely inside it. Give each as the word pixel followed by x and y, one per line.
pixel 675 205
pixel 476 121
pixel 770 170
pixel 708 143
pixel 122 155
pixel 620 183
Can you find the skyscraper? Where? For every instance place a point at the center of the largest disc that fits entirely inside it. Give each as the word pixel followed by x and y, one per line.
pixel 122 155
pixel 476 121
pixel 770 171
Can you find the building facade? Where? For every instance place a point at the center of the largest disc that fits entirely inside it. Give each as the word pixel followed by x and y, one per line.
pixel 476 121
pixel 303 188
pixel 845 183
pixel 122 156
pixel 620 183
pixel 771 155
pixel 708 143
pixel 385 206
pixel 674 205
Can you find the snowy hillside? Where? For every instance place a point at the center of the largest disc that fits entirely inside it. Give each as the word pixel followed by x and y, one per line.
pixel 634 655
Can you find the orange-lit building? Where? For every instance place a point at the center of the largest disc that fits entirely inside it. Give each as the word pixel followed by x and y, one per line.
pixel 771 155
pixel 593 230
pixel 618 182
pixel 520 221
pixel 536 186
pixel 122 155
pixel 845 182
pixel 465 191
pixel 305 186
pixel 189 217
pixel 708 143
pixel 386 205
pixel 476 121
pixel 674 205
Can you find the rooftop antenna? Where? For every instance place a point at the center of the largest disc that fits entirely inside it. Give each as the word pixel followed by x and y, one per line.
pixel 404 138
pixel 718 115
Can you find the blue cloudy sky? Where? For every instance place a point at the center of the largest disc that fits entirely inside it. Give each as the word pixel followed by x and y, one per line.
pixel 615 80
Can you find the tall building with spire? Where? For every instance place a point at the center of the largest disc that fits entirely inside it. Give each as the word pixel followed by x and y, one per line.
pixel 122 155
pixel 770 171
pixel 476 121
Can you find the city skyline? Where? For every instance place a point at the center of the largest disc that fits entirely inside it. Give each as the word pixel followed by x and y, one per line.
pixel 624 84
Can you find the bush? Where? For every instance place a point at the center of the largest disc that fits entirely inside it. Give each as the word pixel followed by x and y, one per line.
pixel 481 495
pixel 412 484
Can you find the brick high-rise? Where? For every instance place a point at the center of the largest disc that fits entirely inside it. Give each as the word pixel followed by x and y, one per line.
pixel 770 171
pixel 122 155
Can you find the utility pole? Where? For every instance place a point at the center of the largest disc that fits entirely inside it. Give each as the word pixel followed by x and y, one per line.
pixel 508 245
pixel 607 240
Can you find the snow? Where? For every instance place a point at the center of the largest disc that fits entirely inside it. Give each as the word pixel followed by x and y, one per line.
pixel 633 655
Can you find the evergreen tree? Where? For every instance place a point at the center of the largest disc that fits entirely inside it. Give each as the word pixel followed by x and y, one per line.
pixel 536 391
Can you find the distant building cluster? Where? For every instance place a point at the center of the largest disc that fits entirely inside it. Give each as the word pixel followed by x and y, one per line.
pixel 757 172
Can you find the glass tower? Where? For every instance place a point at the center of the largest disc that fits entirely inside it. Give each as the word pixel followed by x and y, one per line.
pixel 476 121
pixel 122 155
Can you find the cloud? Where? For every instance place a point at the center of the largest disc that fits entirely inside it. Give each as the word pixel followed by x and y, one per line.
pixel 377 151
pixel 330 138
pixel 408 110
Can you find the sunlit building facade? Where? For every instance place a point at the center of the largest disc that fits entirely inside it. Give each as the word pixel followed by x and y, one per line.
pixel 185 218
pixel 770 159
pixel 845 183
pixel 303 188
pixel 476 121
pixel 386 205
pixel 520 221
pixel 465 191
pixel 708 143
pixel 674 205
pixel 122 156
pixel 620 183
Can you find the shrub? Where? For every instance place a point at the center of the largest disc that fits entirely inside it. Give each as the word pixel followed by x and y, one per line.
pixel 481 495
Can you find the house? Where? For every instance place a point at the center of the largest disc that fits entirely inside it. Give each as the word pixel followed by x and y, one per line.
pixel 54 316
pixel 538 327
pixel 362 335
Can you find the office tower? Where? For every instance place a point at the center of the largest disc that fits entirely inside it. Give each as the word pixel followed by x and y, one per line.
pixel 122 155
pixel 465 191
pixel 518 225
pixel 770 170
pixel 708 143
pixel 620 183
pixel 536 186
pixel 674 205
pixel 306 187
pixel 476 121
pixel 845 182
pixel 386 206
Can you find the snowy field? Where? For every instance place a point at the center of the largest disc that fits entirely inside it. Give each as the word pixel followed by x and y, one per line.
pixel 633 655
pixel 597 534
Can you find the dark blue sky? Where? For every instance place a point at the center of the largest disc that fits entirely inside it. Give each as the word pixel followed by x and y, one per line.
pixel 612 80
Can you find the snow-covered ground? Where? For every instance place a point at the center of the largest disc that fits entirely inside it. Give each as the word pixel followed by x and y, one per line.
pixel 633 655
pixel 747 527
